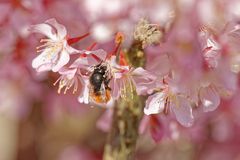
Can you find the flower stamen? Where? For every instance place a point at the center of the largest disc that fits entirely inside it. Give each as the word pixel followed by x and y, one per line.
pixel 67 83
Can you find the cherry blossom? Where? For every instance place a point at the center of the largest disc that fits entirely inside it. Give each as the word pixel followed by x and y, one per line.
pixel 170 98
pixel 55 51
pixel 211 50
pixel 67 79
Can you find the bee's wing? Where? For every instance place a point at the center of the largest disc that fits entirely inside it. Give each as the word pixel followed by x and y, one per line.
pixel 103 91
pixel 102 88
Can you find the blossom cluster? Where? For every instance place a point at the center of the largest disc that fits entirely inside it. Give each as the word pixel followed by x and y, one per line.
pixel 101 77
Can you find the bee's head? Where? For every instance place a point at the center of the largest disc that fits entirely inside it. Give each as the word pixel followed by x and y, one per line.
pixel 100 68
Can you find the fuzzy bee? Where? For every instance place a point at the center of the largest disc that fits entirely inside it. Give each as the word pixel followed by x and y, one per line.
pixel 100 92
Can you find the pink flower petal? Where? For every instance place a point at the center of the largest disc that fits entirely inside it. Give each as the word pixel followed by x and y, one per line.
pixel 100 53
pixel 212 43
pixel 70 73
pixel 42 62
pixel 84 96
pixel 144 81
pixel 44 29
pixel 61 30
pixel 143 73
pixel 95 57
pixel 156 129
pixel 117 75
pixel 71 50
pixel 209 98
pixel 159 65
pixel 144 123
pixel 155 103
pixel 115 86
pixel 211 57
pixel 81 62
pixel 183 111
pixel 91 58
pixel 235 32
pixel 63 59
pixel 44 67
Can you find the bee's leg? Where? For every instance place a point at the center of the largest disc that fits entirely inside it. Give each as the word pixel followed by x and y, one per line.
pixel 107 87
pixel 106 81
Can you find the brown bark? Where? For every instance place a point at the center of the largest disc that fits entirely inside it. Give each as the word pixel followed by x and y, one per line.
pixel 128 111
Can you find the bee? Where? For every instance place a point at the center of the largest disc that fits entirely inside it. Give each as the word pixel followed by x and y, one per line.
pixel 100 92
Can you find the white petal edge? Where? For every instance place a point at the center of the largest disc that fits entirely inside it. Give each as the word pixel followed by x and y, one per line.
pixel 41 62
pixel 63 60
pixel 61 30
pixel 209 98
pixel 155 103
pixel 44 29
pixel 84 96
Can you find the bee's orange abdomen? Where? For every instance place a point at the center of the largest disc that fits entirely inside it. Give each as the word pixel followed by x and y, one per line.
pixel 98 98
